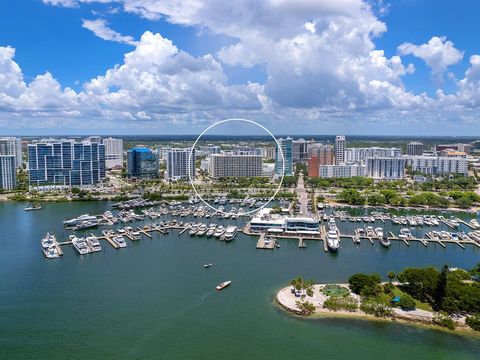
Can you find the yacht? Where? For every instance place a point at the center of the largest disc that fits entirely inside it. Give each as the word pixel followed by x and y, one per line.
pixel 51 252
pixel 120 241
pixel 405 233
pixel 379 232
pixel 230 233
pixel 223 285
pixel 474 223
pixel 48 241
pixel 219 231
pixel 211 231
pixel 31 207
pixel 202 230
pixel 332 240
pixel 49 246
pixel 94 244
pixel 86 225
pixel 206 266
pixel 384 241
pixel 80 219
pixel 193 229
pixel 80 245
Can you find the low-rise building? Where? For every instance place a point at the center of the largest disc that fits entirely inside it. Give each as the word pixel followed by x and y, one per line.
pixel 264 220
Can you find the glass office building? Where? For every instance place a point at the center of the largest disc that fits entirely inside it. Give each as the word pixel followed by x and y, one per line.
pixel 142 163
pixel 66 162
pixel 287 150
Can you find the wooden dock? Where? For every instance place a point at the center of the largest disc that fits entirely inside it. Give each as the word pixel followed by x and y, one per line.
pixel 261 244
pixel 301 243
pixel 323 236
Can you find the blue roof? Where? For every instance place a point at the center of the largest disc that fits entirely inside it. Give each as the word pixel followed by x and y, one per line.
pixel 140 149
pixel 396 299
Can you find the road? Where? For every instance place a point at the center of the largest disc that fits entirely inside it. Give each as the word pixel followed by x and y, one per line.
pixel 302 195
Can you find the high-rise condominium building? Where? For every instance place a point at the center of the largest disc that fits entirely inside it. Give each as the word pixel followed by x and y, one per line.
pixel 438 165
pixel 180 163
pixel 359 155
pixel 466 148
pixel 66 162
pixel 231 165
pixel 8 169
pixel 113 152
pixel 300 150
pixel 12 146
pixel 340 144
pixel 385 168
pixel 287 150
pixel 268 153
pixel 142 163
pixel 324 153
pixel 414 148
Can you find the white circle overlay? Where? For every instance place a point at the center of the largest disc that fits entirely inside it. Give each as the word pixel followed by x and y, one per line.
pixel 222 122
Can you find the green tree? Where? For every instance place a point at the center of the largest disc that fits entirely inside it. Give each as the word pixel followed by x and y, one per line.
pixel 406 302
pixel 359 282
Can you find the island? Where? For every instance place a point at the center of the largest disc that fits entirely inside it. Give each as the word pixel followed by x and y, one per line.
pixel 448 299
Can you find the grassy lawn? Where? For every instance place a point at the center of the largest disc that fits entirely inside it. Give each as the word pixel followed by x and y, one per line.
pixel 420 305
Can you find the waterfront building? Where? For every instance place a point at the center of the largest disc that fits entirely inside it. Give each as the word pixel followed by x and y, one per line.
pixel 287 149
pixel 359 155
pixel 324 153
pixel 466 148
pixel 268 153
pixel 438 165
pixel 233 165
pixel 340 145
pixel 341 171
pixel 299 150
pixel 142 163
pixel 264 220
pixel 8 172
pixel 414 148
pixel 180 162
pixel 65 162
pixel 385 168
pixel 113 152
pixel 12 146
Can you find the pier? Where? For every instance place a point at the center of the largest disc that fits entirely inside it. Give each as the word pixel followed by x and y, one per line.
pixel 261 244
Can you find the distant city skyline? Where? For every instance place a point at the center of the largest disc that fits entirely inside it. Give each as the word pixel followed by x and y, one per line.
pixel 352 67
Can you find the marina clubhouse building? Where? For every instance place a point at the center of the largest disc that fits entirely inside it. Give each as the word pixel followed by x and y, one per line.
pixel 265 221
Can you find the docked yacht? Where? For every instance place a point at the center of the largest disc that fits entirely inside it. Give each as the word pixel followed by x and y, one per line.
pixel 193 229
pixel 202 230
pixel 230 233
pixel 86 225
pixel 80 245
pixel 120 241
pixel 405 233
pixel 79 220
pixel 94 244
pixel 211 230
pixel 219 231
pixel 379 232
pixel 332 240
pixel 49 246
pixel 384 241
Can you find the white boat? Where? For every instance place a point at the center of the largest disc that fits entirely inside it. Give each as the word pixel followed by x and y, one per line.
pixel 332 240
pixel 31 207
pixel 120 241
pixel 223 285
pixel 80 219
pixel 49 246
pixel 94 244
pixel 202 230
pixel 379 232
pixel 211 232
pixel 219 231
pixel 80 245
pixel 47 241
pixel 193 230
pixel 230 233
pixel 206 266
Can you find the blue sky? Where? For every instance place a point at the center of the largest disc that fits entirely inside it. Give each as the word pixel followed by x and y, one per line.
pixel 293 66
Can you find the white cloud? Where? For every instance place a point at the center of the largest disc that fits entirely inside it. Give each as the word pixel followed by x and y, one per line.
pixel 100 28
pixel 439 53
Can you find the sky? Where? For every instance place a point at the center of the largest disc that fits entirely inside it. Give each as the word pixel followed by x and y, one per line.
pixel 354 67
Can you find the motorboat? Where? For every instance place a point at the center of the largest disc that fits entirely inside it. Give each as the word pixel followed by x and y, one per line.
pixel 79 220
pixel 31 207
pixel 202 230
pixel 80 245
pixel 94 244
pixel 120 241
pixel 219 231
pixel 193 229
pixel 384 241
pixel 379 232
pixel 206 266
pixel 230 233
pixel 223 285
pixel 332 240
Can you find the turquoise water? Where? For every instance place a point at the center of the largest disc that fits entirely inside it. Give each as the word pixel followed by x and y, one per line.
pixel 154 300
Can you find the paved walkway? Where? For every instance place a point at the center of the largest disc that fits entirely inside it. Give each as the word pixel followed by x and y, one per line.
pixel 302 195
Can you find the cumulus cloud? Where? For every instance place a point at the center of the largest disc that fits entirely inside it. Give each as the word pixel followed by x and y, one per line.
pixel 100 28
pixel 439 53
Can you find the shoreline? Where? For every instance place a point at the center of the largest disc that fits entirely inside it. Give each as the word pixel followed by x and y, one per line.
pixel 321 313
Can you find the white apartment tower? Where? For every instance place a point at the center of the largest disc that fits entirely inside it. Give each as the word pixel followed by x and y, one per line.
pixel 12 146
pixel 113 152
pixel 229 165
pixel 340 143
pixel 180 162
